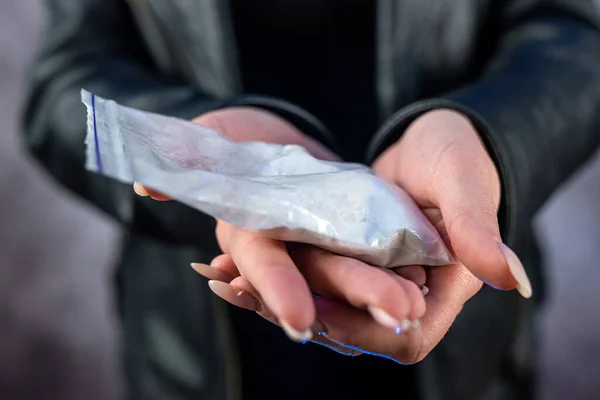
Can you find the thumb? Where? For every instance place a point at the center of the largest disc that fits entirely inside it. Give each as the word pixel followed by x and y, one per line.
pixel 478 247
pixel 466 196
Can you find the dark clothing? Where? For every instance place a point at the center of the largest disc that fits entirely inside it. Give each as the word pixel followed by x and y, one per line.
pixel 318 55
pixel 524 71
pixel 322 60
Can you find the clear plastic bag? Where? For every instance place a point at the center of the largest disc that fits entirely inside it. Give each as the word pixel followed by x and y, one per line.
pixel 279 191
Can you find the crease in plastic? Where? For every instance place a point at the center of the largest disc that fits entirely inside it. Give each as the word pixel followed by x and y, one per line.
pixel 281 191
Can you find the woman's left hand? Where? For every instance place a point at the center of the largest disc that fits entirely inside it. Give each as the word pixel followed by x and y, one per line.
pixel 441 162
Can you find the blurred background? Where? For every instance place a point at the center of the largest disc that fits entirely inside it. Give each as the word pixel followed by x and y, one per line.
pixel 73 313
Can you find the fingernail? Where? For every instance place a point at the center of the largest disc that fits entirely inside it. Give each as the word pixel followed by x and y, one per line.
pixel 517 270
pixel 234 295
pixel 424 290
pixel 318 329
pixel 296 335
pixel 416 324
pixel 405 325
pixel 139 189
pixel 385 319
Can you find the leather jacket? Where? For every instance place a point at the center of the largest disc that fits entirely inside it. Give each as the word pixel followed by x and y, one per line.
pixel 526 72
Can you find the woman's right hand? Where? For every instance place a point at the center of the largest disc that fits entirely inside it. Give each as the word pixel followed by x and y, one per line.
pixel 267 265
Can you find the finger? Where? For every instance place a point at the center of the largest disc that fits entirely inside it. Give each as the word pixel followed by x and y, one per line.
pixel 225 263
pixel 414 273
pixel 472 225
pixel 212 273
pixel 413 292
pixel 140 190
pixel 234 295
pixel 319 337
pixel 144 191
pixel 319 333
pixel 416 299
pixel 318 329
pixel 244 286
pixel 451 287
pixel 266 264
pixel 465 188
pixel 346 319
pixel 362 286
pixel 356 332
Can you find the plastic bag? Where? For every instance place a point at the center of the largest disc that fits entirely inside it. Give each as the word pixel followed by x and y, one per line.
pixel 279 191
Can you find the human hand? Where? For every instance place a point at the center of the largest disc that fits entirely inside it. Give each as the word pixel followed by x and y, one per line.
pixel 247 124
pixel 442 163
pixel 266 264
pixel 342 323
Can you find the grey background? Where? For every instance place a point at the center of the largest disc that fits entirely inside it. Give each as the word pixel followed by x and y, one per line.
pixel 57 332
pixel 56 257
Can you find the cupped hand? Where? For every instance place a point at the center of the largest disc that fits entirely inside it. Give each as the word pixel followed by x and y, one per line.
pixel 441 162
pixel 268 268
pixel 342 323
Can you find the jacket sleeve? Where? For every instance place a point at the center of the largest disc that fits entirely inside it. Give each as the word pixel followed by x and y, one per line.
pixel 95 45
pixel 536 104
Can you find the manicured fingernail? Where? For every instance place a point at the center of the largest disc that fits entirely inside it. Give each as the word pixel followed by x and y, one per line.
pixel 318 329
pixel 517 270
pixel 211 273
pixel 296 335
pixel 424 290
pixel 139 189
pixel 405 325
pixel 385 319
pixel 234 296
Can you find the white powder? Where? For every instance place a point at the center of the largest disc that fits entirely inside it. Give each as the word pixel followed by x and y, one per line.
pixel 280 191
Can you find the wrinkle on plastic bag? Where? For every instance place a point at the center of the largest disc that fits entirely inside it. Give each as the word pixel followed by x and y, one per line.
pixel 280 191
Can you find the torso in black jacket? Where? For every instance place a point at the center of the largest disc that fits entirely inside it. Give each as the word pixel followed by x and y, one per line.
pixel 524 71
pixel 318 55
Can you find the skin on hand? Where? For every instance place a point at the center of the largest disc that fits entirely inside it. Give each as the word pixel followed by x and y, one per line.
pixel 353 331
pixel 273 274
pixel 441 162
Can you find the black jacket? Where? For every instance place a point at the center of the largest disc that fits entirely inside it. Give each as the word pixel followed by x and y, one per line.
pixel 525 71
